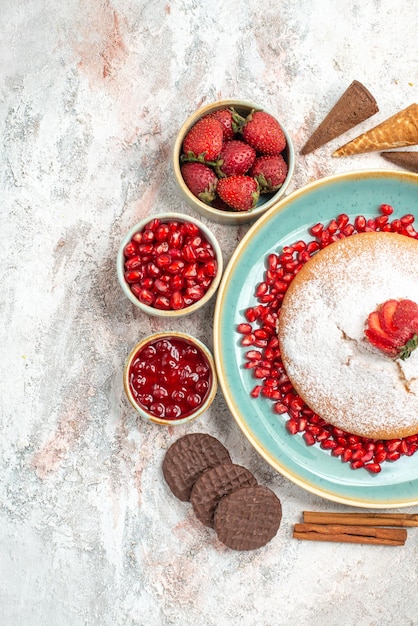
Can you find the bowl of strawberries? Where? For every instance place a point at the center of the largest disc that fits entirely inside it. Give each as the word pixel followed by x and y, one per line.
pixel 232 161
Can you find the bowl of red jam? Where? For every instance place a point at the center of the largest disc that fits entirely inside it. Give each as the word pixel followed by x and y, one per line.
pixel 170 378
pixel 169 265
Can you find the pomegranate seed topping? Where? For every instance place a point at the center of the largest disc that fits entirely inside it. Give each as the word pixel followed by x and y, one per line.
pixel 360 223
pixel 317 229
pixel 244 329
pixel 386 209
pixel 375 468
pixel 256 391
pixel 248 339
pixel 280 408
pixel 407 219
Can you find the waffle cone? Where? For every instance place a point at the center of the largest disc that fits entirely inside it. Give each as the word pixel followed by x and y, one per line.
pixel 354 106
pixel 408 160
pixel 397 131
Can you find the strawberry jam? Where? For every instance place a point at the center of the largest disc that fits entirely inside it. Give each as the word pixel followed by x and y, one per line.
pixel 170 378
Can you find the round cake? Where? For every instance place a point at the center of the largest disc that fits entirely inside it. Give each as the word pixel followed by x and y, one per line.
pixel 331 363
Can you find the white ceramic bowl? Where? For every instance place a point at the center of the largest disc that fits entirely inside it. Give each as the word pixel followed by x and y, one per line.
pixel 265 202
pixel 169 313
pixel 211 377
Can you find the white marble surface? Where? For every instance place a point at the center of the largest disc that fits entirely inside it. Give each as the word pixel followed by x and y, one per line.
pixel 92 94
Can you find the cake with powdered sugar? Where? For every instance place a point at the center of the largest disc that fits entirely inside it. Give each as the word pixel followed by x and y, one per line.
pixel 352 366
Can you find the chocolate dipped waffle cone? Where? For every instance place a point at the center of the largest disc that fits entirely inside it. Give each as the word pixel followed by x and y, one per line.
pixel 397 131
pixel 355 105
pixel 408 160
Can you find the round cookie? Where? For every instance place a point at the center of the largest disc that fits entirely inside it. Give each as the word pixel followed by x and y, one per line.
pixel 187 458
pixel 248 518
pixel 215 484
pixel 329 360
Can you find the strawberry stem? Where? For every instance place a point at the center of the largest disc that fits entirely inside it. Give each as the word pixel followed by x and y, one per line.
pixel 408 348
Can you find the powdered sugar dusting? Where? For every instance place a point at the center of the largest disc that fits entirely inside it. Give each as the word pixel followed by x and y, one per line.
pixel 327 356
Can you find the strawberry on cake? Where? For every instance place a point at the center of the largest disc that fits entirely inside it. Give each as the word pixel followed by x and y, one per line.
pixel 348 329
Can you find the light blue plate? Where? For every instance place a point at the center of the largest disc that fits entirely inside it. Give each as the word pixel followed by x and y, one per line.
pixel 312 468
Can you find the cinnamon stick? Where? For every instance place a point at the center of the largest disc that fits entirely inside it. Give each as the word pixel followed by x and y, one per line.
pixel 364 519
pixel 351 534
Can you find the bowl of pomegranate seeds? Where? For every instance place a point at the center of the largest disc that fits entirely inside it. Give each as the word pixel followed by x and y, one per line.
pixel 233 161
pixel 169 265
pixel 170 378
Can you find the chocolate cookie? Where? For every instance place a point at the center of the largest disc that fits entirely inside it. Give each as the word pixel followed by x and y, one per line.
pixel 248 518
pixel 213 485
pixel 187 458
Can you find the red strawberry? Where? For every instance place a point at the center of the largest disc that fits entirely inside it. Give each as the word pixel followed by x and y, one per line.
pixel 378 337
pixel 386 313
pixel 406 316
pixel 241 193
pixel 270 172
pixel 264 133
pixel 236 158
pixel 200 179
pixel 224 116
pixel 203 142
pixel 393 328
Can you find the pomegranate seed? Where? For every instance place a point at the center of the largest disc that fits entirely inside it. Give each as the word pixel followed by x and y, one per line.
pixel 144 295
pixel 175 267
pixel 357 464
pixel 244 329
pixel 292 426
pixel 396 225
pixel 253 355
pixel 386 209
pixel 346 455
pixel 162 302
pixel 176 301
pixel 133 276
pixel 153 224
pixel 261 289
pixel 313 246
pixel 360 223
pixel 148 236
pixel 317 229
pixel 256 391
pixel 332 227
pixel 211 268
pixel 328 444
pixel 130 249
pixel 133 263
pixel 137 237
pixel 342 220
pixel 162 232
pixel 195 293
pixel 375 468
pixel 380 456
pixel 393 444
pixel 280 408
pixel 393 456
pixel 381 221
pixel 407 219
pixel 348 230
pixel 248 339
pixel 309 439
